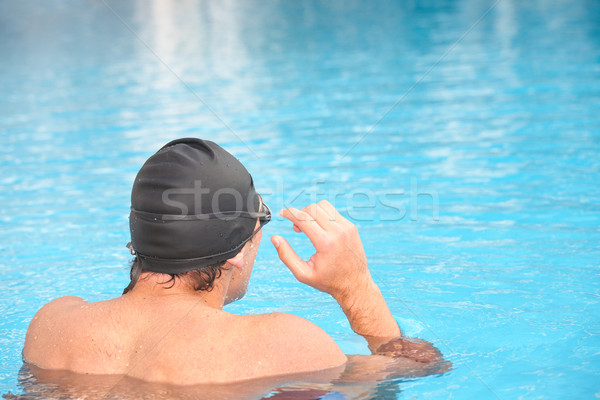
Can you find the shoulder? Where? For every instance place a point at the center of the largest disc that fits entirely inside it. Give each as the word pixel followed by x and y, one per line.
pixel 47 322
pixel 56 307
pixel 286 321
pixel 280 323
pixel 295 342
pixel 62 302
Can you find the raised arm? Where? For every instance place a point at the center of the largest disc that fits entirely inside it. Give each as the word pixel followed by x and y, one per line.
pixel 339 267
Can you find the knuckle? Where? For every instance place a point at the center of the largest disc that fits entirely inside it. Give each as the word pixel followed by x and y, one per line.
pixel 348 231
pixel 328 241
pixel 310 209
pixel 324 203
pixel 351 228
pixel 343 234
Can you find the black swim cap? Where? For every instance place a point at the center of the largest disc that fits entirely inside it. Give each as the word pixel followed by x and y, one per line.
pixel 192 205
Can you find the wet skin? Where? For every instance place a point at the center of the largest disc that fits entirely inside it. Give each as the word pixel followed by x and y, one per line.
pixel 177 335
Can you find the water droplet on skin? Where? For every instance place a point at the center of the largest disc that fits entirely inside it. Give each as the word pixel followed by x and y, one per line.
pixel 35 338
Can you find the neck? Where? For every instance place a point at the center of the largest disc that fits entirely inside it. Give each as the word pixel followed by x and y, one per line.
pixel 157 287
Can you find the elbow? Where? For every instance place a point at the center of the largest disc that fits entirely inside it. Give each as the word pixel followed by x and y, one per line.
pixel 420 351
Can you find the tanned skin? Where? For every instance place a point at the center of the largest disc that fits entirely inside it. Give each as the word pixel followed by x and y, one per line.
pixel 169 332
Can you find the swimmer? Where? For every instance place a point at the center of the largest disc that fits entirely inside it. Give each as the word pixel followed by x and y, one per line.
pixel 196 225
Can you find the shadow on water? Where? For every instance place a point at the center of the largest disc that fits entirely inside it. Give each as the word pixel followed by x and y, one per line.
pixel 354 381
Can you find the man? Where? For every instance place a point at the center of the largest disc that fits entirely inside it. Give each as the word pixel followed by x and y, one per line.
pixel 195 229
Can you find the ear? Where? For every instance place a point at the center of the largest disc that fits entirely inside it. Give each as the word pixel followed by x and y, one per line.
pixel 238 260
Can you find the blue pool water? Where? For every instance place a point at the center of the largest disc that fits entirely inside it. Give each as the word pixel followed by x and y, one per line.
pixel 463 138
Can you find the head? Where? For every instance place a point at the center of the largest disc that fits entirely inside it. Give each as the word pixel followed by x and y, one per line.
pixel 195 215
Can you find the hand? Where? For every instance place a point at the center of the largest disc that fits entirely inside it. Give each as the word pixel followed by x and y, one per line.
pixel 339 266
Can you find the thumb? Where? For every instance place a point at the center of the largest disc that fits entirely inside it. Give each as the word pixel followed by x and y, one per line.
pixel 289 257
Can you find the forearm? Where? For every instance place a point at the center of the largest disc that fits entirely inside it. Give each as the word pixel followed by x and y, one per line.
pixel 370 317
pixel 367 311
pixel 339 267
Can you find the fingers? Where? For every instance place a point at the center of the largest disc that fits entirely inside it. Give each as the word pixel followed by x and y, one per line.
pixel 330 210
pixel 333 213
pixel 324 218
pixel 306 223
pixel 317 221
pixel 324 213
pixel 288 256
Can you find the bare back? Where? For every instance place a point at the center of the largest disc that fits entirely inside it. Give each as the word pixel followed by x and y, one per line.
pixel 174 339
